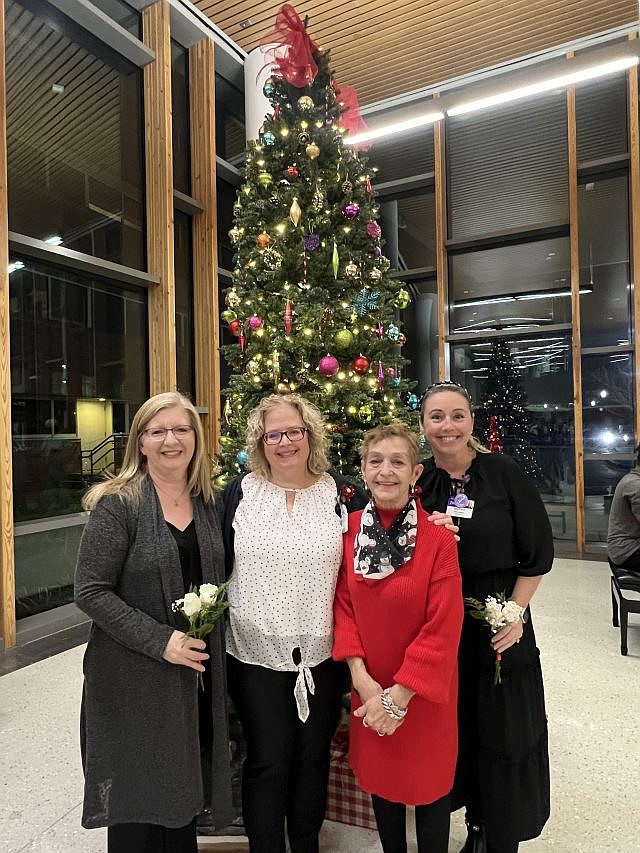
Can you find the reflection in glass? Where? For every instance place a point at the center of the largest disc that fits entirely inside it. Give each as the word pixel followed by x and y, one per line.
pixel 409 231
pixel 180 118
pixel 74 137
pixel 516 287
pixel 122 14
pixel 502 175
pixel 226 195
pixel 420 326
pixel 402 155
pixel 78 373
pixel 183 260
pixel 601 118
pixel 605 313
pixel 607 400
pixel 230 122
pixel 545 366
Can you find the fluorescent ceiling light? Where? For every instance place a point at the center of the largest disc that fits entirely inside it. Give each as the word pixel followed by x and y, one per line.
pixel 548 85
pixel 397 127
pixel 55 240
pixel 550 294
pixel 15 265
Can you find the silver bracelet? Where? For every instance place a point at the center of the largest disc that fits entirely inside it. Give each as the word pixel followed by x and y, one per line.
pixel 390 706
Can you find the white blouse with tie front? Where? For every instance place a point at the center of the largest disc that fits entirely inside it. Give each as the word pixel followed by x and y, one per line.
pixel 284 576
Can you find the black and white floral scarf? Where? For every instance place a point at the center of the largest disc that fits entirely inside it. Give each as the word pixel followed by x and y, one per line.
pixel 379 552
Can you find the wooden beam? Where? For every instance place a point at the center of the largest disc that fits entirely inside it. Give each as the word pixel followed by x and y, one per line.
pixel 634 209
pixel 7 565
pixel 442 269
pixel 159 182
pixel 205 246
pixel 575 315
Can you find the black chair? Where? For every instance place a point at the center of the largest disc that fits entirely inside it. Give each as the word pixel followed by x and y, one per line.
pixel 621 580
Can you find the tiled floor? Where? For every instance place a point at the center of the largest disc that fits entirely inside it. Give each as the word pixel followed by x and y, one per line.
pixel 593 704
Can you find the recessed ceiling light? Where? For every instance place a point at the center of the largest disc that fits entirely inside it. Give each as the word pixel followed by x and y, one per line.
pixel 57 88
pixel 246 23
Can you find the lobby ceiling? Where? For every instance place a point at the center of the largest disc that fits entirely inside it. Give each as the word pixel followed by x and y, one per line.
pixel 385 48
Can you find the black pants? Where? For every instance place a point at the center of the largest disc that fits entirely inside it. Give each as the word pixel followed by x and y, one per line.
pixel 432 825
pixel 149 838
pixel 632 563
pixel 286 770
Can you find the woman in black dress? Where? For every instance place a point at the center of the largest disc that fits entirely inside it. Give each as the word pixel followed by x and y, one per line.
pixel 506 545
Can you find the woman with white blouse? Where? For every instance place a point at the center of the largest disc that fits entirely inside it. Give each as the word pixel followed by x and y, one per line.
pixel 283 535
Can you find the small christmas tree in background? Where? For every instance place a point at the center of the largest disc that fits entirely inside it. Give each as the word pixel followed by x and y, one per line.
pixel 312 306
pixel 504 404
pixel 493 436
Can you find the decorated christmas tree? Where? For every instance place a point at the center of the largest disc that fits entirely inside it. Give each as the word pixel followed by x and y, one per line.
pixel 312 308
pixel 503 415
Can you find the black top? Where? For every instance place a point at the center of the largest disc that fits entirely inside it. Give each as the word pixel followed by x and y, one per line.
pixel 189 552
pixel 509 528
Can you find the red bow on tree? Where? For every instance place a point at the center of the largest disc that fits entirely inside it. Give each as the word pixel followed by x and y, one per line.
pixel 351 118
pixel 291 49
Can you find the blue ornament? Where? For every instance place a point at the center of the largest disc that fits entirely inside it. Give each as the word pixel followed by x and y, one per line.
pixel 393 333
pixel 396 381
pixel 268 89
pixel 242 458
pixel 413 401
pixel 268 138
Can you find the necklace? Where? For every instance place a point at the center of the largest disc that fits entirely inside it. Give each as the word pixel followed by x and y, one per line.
pixel 176 501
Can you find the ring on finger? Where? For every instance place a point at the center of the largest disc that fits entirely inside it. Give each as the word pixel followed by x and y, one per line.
pixel 381 734
pixel 365 723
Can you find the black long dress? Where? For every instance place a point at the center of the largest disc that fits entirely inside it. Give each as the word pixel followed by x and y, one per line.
pixel 502 775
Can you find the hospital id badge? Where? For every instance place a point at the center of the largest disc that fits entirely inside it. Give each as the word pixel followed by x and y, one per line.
pixel 460 507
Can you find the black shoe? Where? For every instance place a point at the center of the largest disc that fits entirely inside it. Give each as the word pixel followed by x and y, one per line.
pixel 476 839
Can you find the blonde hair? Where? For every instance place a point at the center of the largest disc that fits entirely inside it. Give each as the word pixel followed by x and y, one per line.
pixel 310 416
pixel 473 443
pixel 127 484
pixel 395 429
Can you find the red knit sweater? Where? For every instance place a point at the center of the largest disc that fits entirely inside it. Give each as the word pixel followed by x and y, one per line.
pixel 406 627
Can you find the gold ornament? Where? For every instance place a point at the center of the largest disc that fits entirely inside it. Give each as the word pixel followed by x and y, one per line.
pixel 263 240
pixel 312 151
pixel 232 299
pixel 305 103
pixel 402 299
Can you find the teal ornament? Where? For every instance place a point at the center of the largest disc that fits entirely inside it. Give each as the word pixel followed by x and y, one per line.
pixel 413 401
pixel 393 333
pixel 242 458
pixel 268 89
pixel 268 138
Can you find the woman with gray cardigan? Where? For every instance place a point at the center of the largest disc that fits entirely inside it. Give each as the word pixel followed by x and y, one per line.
pixel 152 534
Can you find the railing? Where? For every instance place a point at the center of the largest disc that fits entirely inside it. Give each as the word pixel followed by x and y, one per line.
pixel 106 456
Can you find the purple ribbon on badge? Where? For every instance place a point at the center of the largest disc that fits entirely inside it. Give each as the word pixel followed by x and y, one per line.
pixel 461 500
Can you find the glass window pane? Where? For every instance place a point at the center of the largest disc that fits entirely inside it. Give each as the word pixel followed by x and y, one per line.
pixel 185 356
pixel 180 118
pixel 545 366
pixel 78 364
pixel 605 309
pixel 226 199
pixel 74 136
pixel 409 231
pixel 508 167
pixel 402 155
pixel 511 287
pixel 122 14
pixel 607 400
pixel 420 327
pixel 601 118
pixel 230 128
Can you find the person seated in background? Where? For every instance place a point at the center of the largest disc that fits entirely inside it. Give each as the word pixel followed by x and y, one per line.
pixel 623 536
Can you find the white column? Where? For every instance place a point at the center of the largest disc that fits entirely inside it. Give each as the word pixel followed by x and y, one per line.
pixel 256 106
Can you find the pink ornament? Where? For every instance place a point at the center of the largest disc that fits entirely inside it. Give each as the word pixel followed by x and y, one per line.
pixel 351 210
pixel 379 330
pixel 328 365
pixel 391 372
pixel 255 323
pixel 373 229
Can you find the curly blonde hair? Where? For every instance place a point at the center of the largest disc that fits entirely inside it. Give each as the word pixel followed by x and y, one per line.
pixel 395 429
pixel 127 484
pixel 473 443
pixel 310 416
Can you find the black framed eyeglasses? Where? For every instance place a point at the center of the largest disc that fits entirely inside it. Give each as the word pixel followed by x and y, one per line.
pixel 275 436
pixel 447 383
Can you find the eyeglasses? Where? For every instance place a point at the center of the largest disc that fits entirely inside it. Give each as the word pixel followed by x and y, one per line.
pixel 275 436
pixel 447 383
pixel 160 433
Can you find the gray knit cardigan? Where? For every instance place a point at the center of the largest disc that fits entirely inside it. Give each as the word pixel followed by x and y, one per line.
pixel 139 721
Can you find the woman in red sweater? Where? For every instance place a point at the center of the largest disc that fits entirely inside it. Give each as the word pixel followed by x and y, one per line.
pixel 398 613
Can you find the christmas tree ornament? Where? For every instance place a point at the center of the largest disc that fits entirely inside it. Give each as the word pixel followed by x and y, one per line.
pixel 365 301
pixel 384 263
pixel 377 251
pixel 402 299
pixel 226 440
pixel 393 333
pixel 379 330
pixel 273 200
pixel 351 270
pixel 221 481
pixel 269 87
pixel 241 339
pixel 328 365
pixel 324 321
pixel 396 381
pixel 413 401
pixel 347 187
pixel 380 376
pixel 391 372
pixel 375 275
pixel 295 212
pixel 304 138
pixel 275 366
pixel 272 259
pixel 232 299
pixel 343 339
pixel 317 203
pixel 227 411
pixel 263 240
pixel 255 323
pixel 311 242
pixel 367 185
pixel 365 414
pixel 284 184
pixel 291 172
pixel 268 138
pixel 302 376
pixel 242 457
pixel 305 103
pixel 265 179
pixel 335 260
pixel 282 387
pixel 401 340
pixel 493 443
pixel 361 364
pixel 351 210
pixel 228 315
pixel 234 234
pixel 237 209
pixel 312 151
pixel 287 318
pixel 276 111
pixel 253 367
pixel 374 230
pixel 235 327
